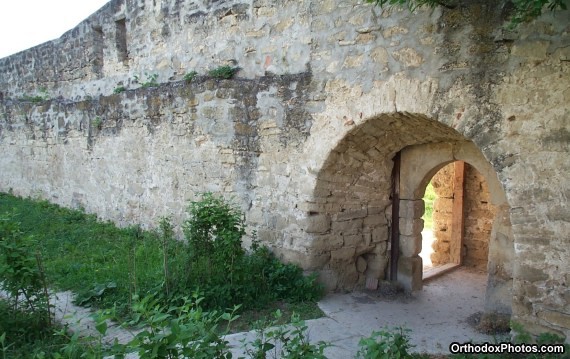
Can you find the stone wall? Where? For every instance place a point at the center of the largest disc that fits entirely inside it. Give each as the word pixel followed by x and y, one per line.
pixel 478 220
pixel 328 92
pixel 478 217
pixel 442 214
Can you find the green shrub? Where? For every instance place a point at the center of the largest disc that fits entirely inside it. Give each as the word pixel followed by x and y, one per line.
pixel 280 341
pixel 385 344
pixel 223 72
pixel 150 80
pixel 185 330
pixel 41 96
pixel 24 335
pixel 217 264
pixel 119 89
pixel 21 272
pixel 190 76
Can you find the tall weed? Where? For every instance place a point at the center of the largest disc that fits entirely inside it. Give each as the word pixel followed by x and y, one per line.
pixel 225 273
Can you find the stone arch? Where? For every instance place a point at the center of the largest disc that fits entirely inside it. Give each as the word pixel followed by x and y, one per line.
pixel 419 163
pixel 349 214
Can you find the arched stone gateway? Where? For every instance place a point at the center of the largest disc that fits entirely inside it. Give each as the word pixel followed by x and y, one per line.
pixel 350 220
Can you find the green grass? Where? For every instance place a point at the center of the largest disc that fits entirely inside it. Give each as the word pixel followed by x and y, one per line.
pixel 429 198
pixel 82 254
pixel 104 265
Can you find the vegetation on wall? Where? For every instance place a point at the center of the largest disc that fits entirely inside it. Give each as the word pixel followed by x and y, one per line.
pixel 223 72
pixel 523 10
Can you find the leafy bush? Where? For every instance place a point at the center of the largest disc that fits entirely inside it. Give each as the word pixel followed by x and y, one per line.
pixel 179 331
pixel 21 272
pixel 222 270
pixel 279 341
pixel 385 344
pixel 26 326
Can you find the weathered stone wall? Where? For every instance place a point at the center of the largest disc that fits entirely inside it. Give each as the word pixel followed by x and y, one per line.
pixel 442 214
pixel 479 213
pixel 129 148
pixel 478 217
pixel 304 138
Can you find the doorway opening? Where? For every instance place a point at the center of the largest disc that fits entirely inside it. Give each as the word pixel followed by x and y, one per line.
pixel 458 219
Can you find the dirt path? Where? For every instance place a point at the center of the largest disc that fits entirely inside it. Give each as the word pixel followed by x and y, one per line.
pixel 437 316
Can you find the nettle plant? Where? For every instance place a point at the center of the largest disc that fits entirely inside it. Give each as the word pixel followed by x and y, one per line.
pixel 22 273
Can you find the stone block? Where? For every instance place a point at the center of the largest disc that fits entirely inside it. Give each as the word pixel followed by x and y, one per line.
pixel 328 278
pixel 410 227
pixel 310 207
pixel 343 254
pixel 410 246
pixel 361 264
pixel 378 207
pixel 412 209
pixel 351 214
pixel 374 220
pixel 347 227
pixel 438 258
pixel 326 242
pixel 442 206
pixel 353 61
pixel 394 30
pixel 380 248
pixel 380 234
pixel 441 246
pixel 348 276
pixel 532 326
pixel 318 224
pixel 376 265
pixel 531 274
pixel 532 50
pixel 365 38
pixel 442 236
pixel 316 260
pixel 410 273
pixel 408 57
pixel 353 240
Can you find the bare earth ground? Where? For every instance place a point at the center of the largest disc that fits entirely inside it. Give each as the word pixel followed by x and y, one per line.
pixel 437 315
